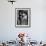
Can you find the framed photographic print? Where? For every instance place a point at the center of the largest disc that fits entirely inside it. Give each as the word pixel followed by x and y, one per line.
pixel 22 17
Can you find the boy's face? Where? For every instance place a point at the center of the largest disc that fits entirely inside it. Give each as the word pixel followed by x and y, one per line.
pixel 23 14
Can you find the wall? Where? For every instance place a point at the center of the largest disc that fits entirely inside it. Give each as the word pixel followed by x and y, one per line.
pixel 8 31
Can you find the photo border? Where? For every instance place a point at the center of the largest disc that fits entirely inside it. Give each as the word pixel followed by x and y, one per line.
pixel 29 18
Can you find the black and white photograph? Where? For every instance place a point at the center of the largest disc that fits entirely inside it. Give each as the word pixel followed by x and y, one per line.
pixel 22 17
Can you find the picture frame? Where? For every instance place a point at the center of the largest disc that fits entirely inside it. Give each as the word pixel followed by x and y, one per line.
pixel 23 17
